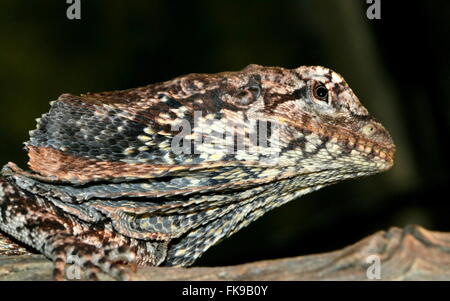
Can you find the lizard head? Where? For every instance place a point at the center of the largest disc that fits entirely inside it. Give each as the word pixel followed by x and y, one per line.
pixel 321 122
pixel 326 119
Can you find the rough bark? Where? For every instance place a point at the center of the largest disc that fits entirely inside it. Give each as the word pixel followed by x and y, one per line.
pixel 412 253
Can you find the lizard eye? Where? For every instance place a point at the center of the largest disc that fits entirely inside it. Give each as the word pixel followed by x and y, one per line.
pixel 320 92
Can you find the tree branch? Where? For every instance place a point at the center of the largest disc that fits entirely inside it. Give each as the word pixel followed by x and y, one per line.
pixel 412 253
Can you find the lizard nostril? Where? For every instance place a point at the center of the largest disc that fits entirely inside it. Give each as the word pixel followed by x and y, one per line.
pixel 368 130
pixel 378 134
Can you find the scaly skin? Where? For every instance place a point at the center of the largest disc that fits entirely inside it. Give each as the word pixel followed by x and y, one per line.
pixel 117 176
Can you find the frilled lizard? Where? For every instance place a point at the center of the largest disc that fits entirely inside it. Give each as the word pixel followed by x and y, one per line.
pixel 156 175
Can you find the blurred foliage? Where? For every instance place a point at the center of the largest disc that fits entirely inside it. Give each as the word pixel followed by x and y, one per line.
pixel 398 66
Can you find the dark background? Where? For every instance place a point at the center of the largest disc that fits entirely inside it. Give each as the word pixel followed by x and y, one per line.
pixel 398 66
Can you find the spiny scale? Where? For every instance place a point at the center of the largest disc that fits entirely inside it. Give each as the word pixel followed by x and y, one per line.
pixel 105 175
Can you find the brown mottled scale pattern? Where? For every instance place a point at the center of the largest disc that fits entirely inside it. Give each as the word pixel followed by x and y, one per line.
pixel 105 183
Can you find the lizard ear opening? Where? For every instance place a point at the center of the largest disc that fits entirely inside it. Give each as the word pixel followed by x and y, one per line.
pixel 249 93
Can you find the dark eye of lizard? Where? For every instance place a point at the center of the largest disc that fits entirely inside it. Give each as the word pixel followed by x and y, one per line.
pixel 320 92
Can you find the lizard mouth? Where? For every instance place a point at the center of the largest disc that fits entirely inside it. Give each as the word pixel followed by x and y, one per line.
pixel 377 143
pixel 383 154
pixel 366 141
pixel 373 150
